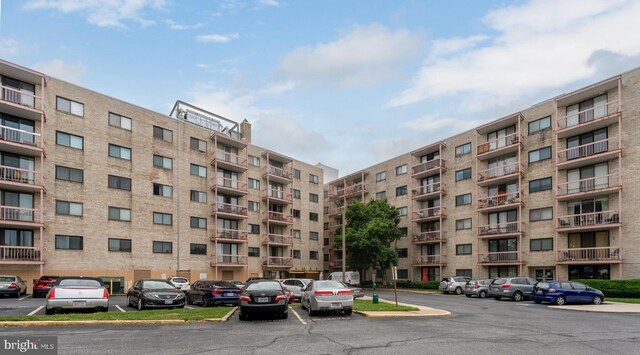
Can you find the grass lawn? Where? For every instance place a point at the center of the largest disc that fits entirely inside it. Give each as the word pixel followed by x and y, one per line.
pixel 163 314
pixel 625 300
pixel 362 305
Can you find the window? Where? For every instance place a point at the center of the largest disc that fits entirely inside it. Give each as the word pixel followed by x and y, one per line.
pixel 325 241
pixel 69 242
pixel 254 184
pixel 463 149
pixel 119 152
pixel 297 234
pixel 464 272
pixel 254 229
pixel 401 170
pixel 296 254
pixel 254 206
pixel 198 144
pixel 381 176
pixel 326 257
pixel 540 185
pixel 381 195
pixel 162 133
pixel 255 161
pixel 198 196
pixel 463 174
pixel 163 247
pixel 463 249
pixel 463 224
pixel 544 274
pixel 541 214
pixel 254 252
pixel 539 125
pixel 404 231
pixel 119 121
pixel 68 208
pixel 123 245
pixel 198 170
pixel 542 244
pixel 403 211
pixel 198 222
pixel 297 174
pixel 401 191
pixel 462 200
pixel 162 218
pixel 403 253
pixel 69 174
pixel 313 235
pixel 69 140
pixel 314 179
pixel 313 216
pixel 296 193
pixel 120 183
pixel 198 249
pixel 69 106
pixel 295 213
pixel 313 198
pixel 313 255
pixel 539 155
pixel 119 214
pixel 162 190
pixel 403 274
pixel 162 162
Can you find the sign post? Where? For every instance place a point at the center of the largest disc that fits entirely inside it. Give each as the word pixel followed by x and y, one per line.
pixel 394 273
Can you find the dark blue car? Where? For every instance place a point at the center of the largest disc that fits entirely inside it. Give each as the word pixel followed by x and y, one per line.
pixel 213 293
pixel 562 292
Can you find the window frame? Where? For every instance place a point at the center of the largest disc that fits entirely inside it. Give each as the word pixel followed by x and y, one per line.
pixel 402 190
pixel 540 242
pixel 198 224
pixel 120 119
pixel 119 210
pixel 464 176
pixel 539 152
pixel 163 160
pixel 539 182
pixel 463 196
pixel 462 147
pixel 198 144
pixel 402 169
pixel 464 249
pixel 202 251
pixel 69 203
pixel 163 136
pixel 463 220
pixel 69 136
pixel 538 122
pixel 119 249
pixel 120 149
pixel 71 102
pixel 540 217
pixel 69 171
pixel 163 215
pixel 116 182
pixel 162 244
pixel 161 189
pixel 57 243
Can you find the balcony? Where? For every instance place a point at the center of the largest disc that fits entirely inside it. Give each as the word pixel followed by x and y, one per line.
pixel 277 262
pixel 428 191
pixel 20 179
pixel 499 146
pixel 429 237
pixel 500 202
pixel 275 195
pixel 335 212
pixel 228 210
pixel 588 221
pixel 588 120
pixel 499 230
pixel 229 235
pixel 21 103
pixel 229 186
pixel 19 255
pixel 280 175
pixel 351 190
pixel 277 218
pixel 498 258
pixel 229 161
pixel 429 214
pixel 427 168
pixel 20 142
pixel 18 216
pixel 229 260
pixel 424 260
pixel 589 187
pixel 591 153
pixel 603 255
pixel 499 174
pixel 277 239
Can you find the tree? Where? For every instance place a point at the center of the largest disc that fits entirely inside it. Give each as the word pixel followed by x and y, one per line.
pixel 371 229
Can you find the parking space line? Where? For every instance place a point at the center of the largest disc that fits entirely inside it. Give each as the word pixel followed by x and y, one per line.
pixel 35 311
pixel 187 307
pixel 24 297
pixel 120 309
pixel 298 316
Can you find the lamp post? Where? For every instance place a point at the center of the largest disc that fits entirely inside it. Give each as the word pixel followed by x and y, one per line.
pixel 344 239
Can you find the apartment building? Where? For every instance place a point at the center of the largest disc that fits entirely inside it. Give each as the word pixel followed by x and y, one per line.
pixel 536 193
pixel 92 185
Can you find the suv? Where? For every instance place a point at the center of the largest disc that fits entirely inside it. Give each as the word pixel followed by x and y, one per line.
pixel 516 288
pixel 42 285
pixel 453 284
pixel 179 282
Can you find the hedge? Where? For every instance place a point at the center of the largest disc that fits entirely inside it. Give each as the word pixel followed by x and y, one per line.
pixel 429 285
pixel 615 288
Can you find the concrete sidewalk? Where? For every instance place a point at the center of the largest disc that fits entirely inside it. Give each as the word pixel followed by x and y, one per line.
pixel 421 312
pixel 607 307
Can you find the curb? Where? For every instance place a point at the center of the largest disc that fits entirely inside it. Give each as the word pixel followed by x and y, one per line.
pixel 421 312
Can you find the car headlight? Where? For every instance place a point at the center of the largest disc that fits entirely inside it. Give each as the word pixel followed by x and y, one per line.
pixel 180 295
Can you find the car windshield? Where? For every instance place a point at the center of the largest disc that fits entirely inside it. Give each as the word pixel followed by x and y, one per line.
pixel 49 278
pixel 7 278
pixel 225 284
pixel 329 284
pixel 157 285
pixel 264 286
pixel 80 282
pixel 542 286
pixel 180 280
pixel 499 281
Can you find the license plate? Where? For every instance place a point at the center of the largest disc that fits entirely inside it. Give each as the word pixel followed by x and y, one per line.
pixel 3 286
pixel 79 303
pixel 262 299
pixel 168 301
pixel 336 305
pixel 539 292
pixel 229 294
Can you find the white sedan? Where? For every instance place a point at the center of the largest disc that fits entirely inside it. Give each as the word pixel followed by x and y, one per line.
pixel 327 295
pixel 70 293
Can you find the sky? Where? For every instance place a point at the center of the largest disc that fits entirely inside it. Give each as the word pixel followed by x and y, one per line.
pixel 345 83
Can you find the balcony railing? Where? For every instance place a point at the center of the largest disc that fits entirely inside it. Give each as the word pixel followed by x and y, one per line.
pixel 10 213
pixel 229 259
pixel 277 261
pixel 499 171
pixel 222 207
pixel 431 236
pixel 586 150
pixel 430 259
pixel 588 115
pixel 499 200
pixel 352 189
pixel 498 143
pixel 16 253
pixel 427 189
pixel 428 165
pixel 230 234
pixel 427 213
pixel 591 184
pixel 279 216
pixel 19 136
pixel 8 173
pixel 277 239
pixel 499 257
pixel 589 219
pixel 279 194
pixel 231 158
pixel 280 172
pixel 228 183
pixel 501 228
pixel 589 254
pixel 19 97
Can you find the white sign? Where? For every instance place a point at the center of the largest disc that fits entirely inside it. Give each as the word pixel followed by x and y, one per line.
pixel 394 272
pixel 164 276
pixel 203 276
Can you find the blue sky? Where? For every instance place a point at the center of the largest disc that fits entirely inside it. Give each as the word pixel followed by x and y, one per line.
pixel 345 83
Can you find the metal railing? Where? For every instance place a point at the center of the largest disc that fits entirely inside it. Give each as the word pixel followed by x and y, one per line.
pixel 588 115
pixel 277 239
pixel 235 184
pixel 279 216
pixel 231 234
pixel 589 219
pixel 427 213
pixel 10 213
pixel 586 150
pixel 351 189
pixel 229 259
pixel 431 236
pixel 499 200
pixel 277 261
pixel 279 194
pixel 499 171
pixel 428 165
pixel 430 259
pixel 18 253
pixel 427 189
pixel 500 142
pixel 231 158
pixel 222 207
pixel 8 173
pixel 499 257
pixel 280 172
pixel 19 97
pixel 19 136
pixel 589 184
pixel 589 254
pixel 501 228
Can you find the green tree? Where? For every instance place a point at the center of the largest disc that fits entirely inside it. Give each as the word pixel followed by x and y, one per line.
pixel 371 229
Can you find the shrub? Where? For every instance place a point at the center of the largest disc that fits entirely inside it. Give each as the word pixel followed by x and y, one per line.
pixel 615 288
pixel 428 285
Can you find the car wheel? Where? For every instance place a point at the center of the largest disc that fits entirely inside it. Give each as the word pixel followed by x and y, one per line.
pixel 204 302
pixel 482 294
pixel 497 298
pixel 537 301
pixel 559 301
pixel 458 291
pixel 243 317
pixel 518 296
pixel 311 312
pixel 49 311
pixel 104 309
pixel 597 300
pixel 189 300
pixel 468 295
pixel 140 304
pixel 347 312
pixel 129 303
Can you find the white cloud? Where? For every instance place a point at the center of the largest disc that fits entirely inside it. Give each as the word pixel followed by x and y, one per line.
pixel 217 38
pixel 538 45
pixel 103 13
pixel 279 88
pixel 273 3
pixel 203 66
pixel 364 55
pixel 180 27
pixel 71 72
pixel 9 47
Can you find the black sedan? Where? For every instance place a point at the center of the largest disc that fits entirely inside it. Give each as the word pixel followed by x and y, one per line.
pixel 213 293
pixel 263 297
pixel 154 293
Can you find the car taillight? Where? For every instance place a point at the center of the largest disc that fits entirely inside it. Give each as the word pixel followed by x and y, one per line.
pixel 344 292
pixel 105 294
pixel 217 292
pixel 245 298
pixel 450 282
pixel 280 298
pixel 13 286
pixel 506 286
pixel 323 293
pixel 477 285
pixel 551 290
pixel 52 294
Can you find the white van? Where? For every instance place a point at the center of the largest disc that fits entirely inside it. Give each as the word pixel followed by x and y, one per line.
pixel 352 277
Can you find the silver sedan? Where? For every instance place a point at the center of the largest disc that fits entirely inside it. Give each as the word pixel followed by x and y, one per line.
pixel 327 295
